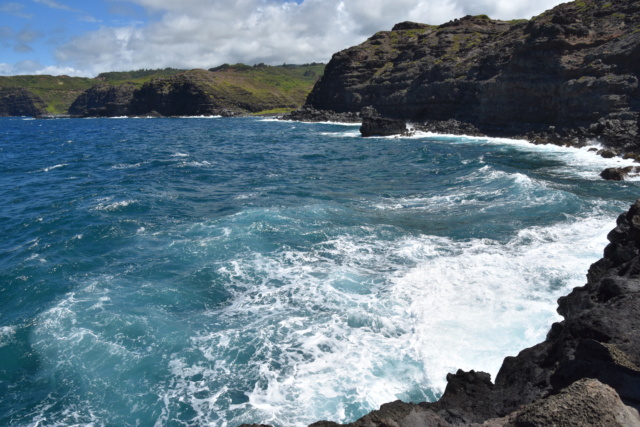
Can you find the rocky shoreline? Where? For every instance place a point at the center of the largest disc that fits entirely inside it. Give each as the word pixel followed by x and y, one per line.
pixel 586 371
pixel 373 124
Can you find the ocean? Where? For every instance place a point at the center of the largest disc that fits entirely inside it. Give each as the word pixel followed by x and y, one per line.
pixel 219 271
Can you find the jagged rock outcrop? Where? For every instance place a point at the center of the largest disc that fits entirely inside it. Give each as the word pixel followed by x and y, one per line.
pixel 103 100
pixel 180 95
pixel 586 371
pixel 374 125
pixel 573 68
pixel 310 114
pixel 20 102
pixel 619 174
pixel 451 126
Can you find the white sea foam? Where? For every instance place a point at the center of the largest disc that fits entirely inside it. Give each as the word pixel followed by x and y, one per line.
pixel 358 321
pixel 582 162
pixel 347 134
pixel 127 166
pixel 245 196
pixel 195 164
pixel 475 188
pixel 328 332
pixel 50 168
pixel 7 334
pixel 114 206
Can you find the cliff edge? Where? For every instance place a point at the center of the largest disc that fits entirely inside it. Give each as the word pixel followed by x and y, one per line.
pixel 20 102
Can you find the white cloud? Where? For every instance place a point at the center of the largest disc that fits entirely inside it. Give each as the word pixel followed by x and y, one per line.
pixel 55 5
pixel 206 33
pixel 36 68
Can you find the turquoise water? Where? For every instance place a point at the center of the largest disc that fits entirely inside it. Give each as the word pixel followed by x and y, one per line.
pixel 214 271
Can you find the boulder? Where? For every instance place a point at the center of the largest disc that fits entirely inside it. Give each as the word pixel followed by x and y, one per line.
pixel 619 174
pixel 374 125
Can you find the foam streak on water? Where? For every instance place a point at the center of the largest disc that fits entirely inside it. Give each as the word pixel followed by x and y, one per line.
pixel 215 272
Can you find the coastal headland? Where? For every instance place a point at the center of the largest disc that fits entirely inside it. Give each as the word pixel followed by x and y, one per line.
pixel 568 76
pixel 226 90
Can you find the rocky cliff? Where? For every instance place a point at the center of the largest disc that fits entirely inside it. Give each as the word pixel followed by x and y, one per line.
pixel 585 373
pixel 228 90
pixel 20 102
pixel 568 75
pixel 103 100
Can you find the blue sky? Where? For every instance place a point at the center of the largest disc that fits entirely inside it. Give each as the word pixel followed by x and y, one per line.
pixel 84 38
pixel 31 31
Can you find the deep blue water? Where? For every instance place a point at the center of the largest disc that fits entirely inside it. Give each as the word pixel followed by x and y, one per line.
pixel 212 271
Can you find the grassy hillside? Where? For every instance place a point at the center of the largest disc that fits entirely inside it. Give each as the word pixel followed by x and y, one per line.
pixel 137 77
pixel 284 87
pixel 264 88
pixel 58 92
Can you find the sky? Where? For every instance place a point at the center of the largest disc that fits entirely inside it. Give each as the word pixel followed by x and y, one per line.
pixel 87 37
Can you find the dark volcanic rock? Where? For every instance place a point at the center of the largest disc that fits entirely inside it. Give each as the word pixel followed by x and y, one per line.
pixel 574 68
pixel 382 126
pixel 374 125
pixel 586 402
pixel 310 114
pixel 20 102
pixel 619 174
pixel 179 95
pixel 103 100
pixel 451 126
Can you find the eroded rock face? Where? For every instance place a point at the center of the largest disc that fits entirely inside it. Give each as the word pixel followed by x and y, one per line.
pixel 374 125
pixel 586 402
pixel 103 100
pixel 173 96
pixel 20 102
pixel 310 114
pixel 573 68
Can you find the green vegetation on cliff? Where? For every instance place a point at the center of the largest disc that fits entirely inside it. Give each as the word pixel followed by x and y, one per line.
pixel 238 88
pixel 58 92
pixel 261 88
pixel 137 77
